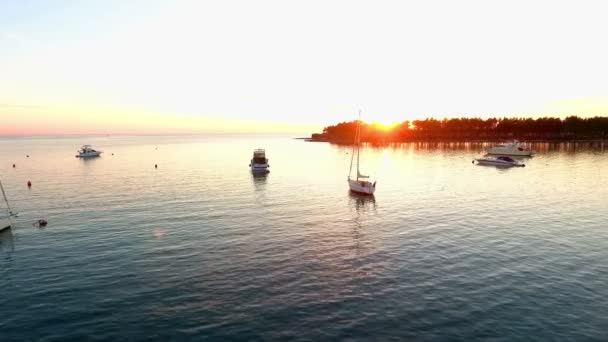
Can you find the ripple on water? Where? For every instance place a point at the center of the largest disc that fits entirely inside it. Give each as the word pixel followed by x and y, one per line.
pixel 201 249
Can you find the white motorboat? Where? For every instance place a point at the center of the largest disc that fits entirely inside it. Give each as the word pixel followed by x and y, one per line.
pixel 259 162
pixel 87 151
pixel 361 183
pixel 513 148
pixel 498 161
pixel 6 222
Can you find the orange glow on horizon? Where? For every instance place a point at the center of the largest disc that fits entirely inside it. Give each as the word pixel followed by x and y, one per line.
pixel 384 126
pixel 65 119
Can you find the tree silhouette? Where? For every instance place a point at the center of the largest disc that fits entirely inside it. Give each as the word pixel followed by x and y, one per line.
pixel 545 128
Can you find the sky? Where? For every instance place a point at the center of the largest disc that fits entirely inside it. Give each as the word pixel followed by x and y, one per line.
pixel 148 66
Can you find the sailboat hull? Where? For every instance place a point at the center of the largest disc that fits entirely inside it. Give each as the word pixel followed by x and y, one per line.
pixel 361 187
pixel 5 224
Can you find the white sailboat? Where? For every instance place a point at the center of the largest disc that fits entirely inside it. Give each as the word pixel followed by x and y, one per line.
pixel 6 222
pixel 361 183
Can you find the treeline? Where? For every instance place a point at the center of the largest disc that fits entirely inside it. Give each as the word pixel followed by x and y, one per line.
pixel 472 129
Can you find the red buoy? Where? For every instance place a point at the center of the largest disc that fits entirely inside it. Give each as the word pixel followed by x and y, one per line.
pixel 29 184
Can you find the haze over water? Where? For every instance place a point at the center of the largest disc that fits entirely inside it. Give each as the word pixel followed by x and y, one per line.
pixel 202 249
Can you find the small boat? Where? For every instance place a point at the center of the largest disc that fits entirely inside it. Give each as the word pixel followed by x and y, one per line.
pixel 499 161
pixel 361 183
pixel 6 222
pixel 87 151
pixel 259 162
pixel 513 148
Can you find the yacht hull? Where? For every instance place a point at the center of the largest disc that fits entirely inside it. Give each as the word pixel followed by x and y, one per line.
pixel 259 167
pixel 361 187
pixel 498 163
pixel 509 152
pixel 88 155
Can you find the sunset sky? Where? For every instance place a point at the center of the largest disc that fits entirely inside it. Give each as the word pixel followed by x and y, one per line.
pixel 120 66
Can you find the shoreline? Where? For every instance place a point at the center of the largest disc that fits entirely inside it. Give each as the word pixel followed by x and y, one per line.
pixel 488 140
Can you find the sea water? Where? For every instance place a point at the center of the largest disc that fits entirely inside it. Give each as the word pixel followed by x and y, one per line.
pixel 201 249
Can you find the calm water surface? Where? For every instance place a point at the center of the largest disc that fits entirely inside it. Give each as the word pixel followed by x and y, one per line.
pixel 202 249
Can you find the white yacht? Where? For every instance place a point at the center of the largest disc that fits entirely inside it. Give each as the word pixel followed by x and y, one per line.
pixel 499 161
pixel 514 148
pixel 87 151
pixel 259 162
pixel 6 222
pixel 361 183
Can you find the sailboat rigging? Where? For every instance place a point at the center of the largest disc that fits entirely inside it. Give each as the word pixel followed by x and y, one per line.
pixel 360 184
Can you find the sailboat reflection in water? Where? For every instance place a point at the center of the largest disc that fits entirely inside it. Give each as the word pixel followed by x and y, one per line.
pixel 361 202
pixel 361 183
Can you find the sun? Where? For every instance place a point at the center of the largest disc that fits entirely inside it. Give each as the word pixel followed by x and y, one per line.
pixel 385 126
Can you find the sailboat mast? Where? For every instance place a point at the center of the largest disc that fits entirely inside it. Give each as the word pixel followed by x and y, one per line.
pixel 358 143
pixel 352 156
pixel 358 146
